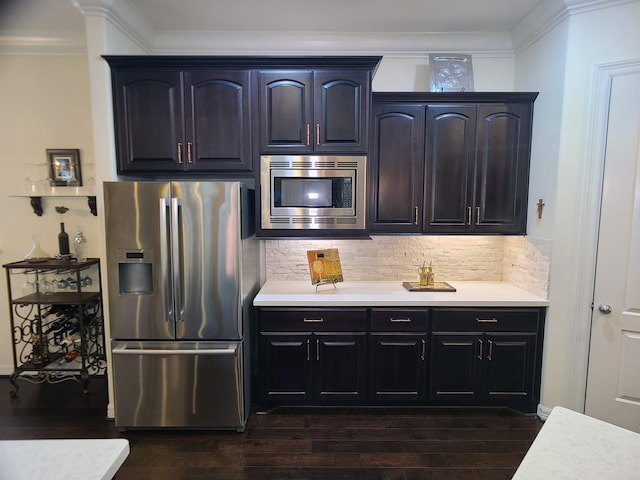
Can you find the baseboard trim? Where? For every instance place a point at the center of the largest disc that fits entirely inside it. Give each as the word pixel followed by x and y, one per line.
pixel 543 412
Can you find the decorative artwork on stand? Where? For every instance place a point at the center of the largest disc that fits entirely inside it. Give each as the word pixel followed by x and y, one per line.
pixel 64 167
pixel 324 266
pixel 450 72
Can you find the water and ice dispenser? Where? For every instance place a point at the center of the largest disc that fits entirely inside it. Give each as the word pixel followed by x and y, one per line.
pixel 135 272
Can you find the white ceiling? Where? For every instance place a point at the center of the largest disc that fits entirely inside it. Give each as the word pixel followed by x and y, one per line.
pixel 59 21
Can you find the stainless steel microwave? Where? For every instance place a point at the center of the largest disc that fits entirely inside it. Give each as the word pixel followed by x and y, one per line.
pixel 313 192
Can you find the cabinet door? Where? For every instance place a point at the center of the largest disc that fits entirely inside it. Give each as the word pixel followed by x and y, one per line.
pixel 502 168
pixel 396 163
pixel 341 111
pixel 148 120
pixel 339 367
pixel 397 367
pixel 286 111
pixel 456 367
pixel 510 360
pixel 450 154
pixel 285 368
pixel 218 120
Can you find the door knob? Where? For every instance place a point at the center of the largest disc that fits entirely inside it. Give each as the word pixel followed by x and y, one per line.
pixel 604 308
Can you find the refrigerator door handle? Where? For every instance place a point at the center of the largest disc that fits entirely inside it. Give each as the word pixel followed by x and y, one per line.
pixel 164 261
pixel 123 350
pixel 176 256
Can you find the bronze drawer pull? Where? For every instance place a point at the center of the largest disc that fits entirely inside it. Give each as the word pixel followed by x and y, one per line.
pixel 487 320
pixel 313 320
pixel 403 320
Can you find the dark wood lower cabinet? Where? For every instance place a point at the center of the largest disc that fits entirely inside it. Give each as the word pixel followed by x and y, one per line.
pixel 490 367
pixel 285 372
pixel 397 365
pixel 324 368
pixel 339 368
pixel 391 357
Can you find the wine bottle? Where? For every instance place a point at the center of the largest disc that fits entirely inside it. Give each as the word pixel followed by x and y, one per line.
pixel 63 240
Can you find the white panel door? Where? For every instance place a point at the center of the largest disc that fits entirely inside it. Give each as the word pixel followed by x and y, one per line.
pixel 613 383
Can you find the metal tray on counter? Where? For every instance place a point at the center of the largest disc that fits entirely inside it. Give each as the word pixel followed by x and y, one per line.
pixel 436 287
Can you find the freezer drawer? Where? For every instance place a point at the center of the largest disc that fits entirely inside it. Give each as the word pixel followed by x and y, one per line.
pixel 179 384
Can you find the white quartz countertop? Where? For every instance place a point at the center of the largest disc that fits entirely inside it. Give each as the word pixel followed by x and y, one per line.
pixel 573 446
pixel 292 293
pixel 85 459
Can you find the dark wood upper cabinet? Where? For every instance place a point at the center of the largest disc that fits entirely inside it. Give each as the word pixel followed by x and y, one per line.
pixel 202 114
pixel 477 163
pixel 173 120
pixel 472 173
pixel 181 115
pixel 396 168
pixel 314 111
pixel 218 119
pixel 148 119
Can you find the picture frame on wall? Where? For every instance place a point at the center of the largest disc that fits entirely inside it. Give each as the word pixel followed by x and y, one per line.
pixel 64 167
pixel 450 72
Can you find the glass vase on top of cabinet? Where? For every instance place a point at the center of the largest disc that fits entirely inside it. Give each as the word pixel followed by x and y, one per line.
pixel 56 321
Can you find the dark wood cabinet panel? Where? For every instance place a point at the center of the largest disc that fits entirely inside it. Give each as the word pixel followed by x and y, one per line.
pixel 342 109
pixel 171 119
pixel 503 148
pixel 286 110
pixel 450 156
pixel 396 168
pixel 148 119
pixel 473 174
pixel 285 370
pixel 218 120
pixel 398 367
pixel 510 366
pixel 486 356
pixel 314 111
pixel 456 372
pixel 340 371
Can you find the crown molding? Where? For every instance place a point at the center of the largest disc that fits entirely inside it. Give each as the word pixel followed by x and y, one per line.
pixel 45 43
pixel 331 43
pixel 550 13
pixel 123 16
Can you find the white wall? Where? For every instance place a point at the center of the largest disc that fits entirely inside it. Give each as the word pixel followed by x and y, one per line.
pixel 569 54
pixel 45 104
pixel 411 74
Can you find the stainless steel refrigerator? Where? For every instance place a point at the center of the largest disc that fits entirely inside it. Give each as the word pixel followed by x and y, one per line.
pixel 183 267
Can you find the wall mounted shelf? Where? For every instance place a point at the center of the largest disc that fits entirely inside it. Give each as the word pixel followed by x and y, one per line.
pixel 36 201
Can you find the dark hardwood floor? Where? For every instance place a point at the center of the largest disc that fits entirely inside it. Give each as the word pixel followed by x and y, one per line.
pixel 335 444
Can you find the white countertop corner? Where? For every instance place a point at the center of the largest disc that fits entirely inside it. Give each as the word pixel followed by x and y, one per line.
pixel 76 459
pixel 572 446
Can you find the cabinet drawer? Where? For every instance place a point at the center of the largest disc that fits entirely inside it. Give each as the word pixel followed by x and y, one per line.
pixel 399 319
pixel 313 319
pixel 485 319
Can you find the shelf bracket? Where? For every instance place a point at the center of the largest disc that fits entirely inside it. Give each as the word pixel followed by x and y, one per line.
pixel 36 204
pixel 91 201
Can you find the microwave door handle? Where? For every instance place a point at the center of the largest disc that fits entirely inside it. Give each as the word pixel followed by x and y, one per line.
pixel 165 255
pixel 176 257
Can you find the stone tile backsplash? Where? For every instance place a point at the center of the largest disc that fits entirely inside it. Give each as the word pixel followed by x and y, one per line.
pixel 523 261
